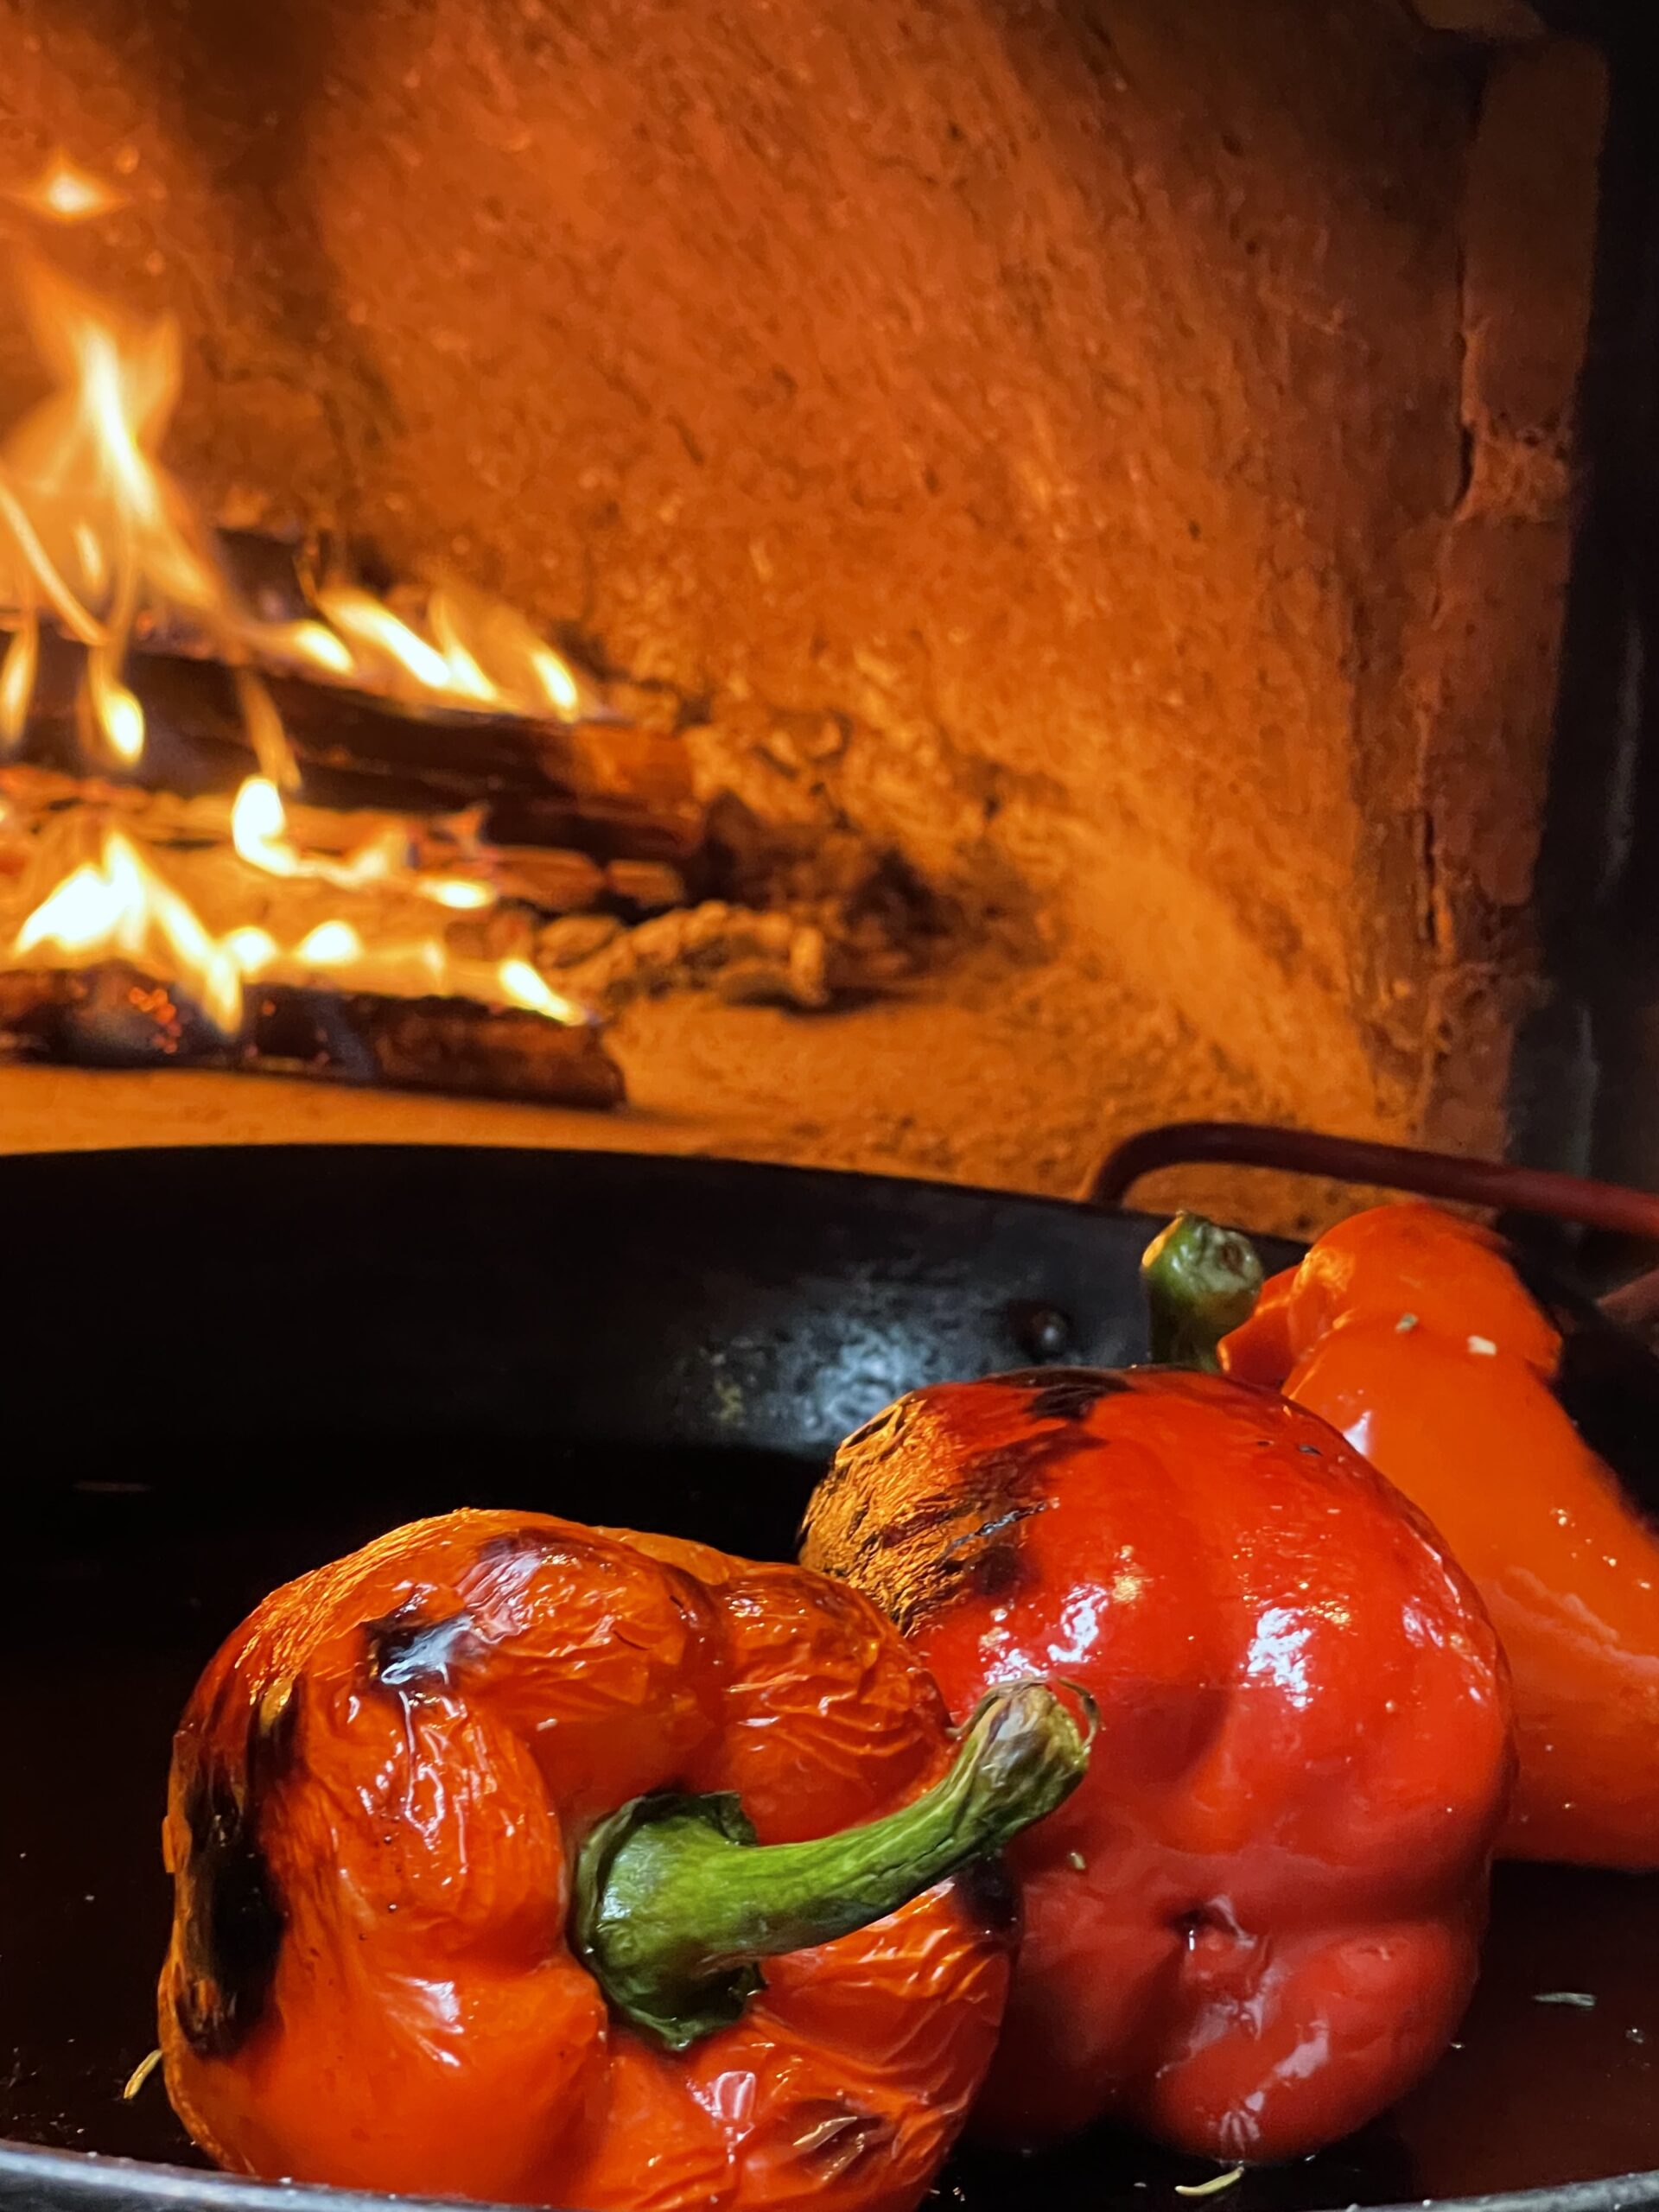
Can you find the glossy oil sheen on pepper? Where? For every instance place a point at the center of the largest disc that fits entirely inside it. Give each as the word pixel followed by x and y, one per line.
pixel 379 1790
pixel 1413 1332
pixel 1256 1923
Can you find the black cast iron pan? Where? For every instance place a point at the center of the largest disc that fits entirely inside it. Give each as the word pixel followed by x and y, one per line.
pixel 222 1367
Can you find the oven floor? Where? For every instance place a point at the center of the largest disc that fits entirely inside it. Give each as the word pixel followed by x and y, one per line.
pixel 125 1592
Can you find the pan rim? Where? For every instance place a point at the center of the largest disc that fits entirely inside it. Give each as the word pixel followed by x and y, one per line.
pixel 95 2178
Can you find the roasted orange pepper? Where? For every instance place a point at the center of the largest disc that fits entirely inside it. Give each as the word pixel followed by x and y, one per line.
pixel 469 1899
pixel 1413 1332
pixel 1257 1923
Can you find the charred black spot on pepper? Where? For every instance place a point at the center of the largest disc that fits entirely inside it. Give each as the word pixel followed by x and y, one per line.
pixel 1065 1402
pixel 408 1651
pixel 1066 1393
pixel 892 1422
pixel 988 1559
pixel 231 1917
pixel 1015 1513
pixel 999 1571
pixel 915 1551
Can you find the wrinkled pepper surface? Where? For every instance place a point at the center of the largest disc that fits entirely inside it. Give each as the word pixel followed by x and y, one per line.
pixel 1413 1333
pixel 1257 1923
pixel 469 1899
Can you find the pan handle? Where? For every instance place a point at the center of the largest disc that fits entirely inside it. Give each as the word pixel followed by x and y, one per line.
pixel 1612 1206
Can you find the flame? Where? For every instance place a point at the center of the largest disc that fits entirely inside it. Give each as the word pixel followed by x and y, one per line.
pixel 259 831
pixel 252 950
pixel 120 906
pixel 266 733
pixel 94 532
pixel 116 711
pixel 311 643
pixel 368 622
pixel 17 678
pixel 100 543
pixel 523 985
pixel 98 532
pixel 64 193
pixel 331 945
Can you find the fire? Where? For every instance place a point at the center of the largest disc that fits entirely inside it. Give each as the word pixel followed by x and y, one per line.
pixel 100 545
pixel 95 535
pixel 115 710
pixel 120 906
pixel 259 832
pixel 64 193
pixel 17 678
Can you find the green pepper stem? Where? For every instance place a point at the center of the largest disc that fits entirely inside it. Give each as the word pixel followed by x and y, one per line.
pixel 673 1901
pixel 1200 1282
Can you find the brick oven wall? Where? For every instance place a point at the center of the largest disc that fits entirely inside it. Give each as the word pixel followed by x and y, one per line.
pixel 1115 451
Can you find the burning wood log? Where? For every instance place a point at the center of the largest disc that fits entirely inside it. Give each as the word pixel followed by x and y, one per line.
pixel 550 879
pixel 607 790
pixel 155 664
pixel 113 1015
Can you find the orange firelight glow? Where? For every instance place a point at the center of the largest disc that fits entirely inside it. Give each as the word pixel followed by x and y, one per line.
pixel 121 906
pixel 100 544
pixel 65 193
pixel 96 534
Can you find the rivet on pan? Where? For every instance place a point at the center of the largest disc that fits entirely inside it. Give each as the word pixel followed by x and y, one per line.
pixel 1041 1331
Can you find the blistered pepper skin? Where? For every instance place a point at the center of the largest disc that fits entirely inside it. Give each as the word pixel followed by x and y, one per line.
pixel 1412 1331
pixel 377 1790
pixel 1257 1923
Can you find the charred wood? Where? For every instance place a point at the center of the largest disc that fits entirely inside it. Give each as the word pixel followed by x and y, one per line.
pixel 608 789
pixel 112 1015
pixel 550 879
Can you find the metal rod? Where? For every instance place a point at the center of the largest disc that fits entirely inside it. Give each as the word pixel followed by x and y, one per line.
pixel 1494 1183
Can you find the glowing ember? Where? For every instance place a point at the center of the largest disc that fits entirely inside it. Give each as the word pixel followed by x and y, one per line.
pixel 120 906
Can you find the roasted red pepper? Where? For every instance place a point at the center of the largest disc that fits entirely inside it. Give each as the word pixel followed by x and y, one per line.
pixel 468 1898
pixel 1257 1923
pixel 1413 1332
